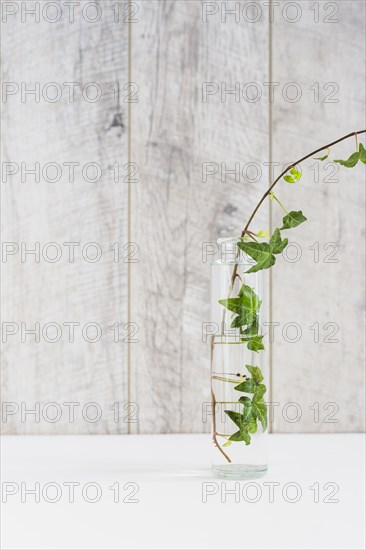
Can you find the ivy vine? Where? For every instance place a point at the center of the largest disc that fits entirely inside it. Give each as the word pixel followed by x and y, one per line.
pixel 245 307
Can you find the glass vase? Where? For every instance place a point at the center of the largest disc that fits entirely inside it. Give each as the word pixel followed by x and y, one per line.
pixel 238 369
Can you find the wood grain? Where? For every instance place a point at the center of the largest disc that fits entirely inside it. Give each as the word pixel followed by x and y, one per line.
pixel 173 210
pixel 310 291
pixel 84 212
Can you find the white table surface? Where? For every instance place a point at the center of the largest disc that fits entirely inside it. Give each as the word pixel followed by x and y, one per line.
pixel 171 472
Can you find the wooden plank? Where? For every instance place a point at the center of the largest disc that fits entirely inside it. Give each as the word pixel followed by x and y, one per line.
pixel 331 289
pixel 80 131
pixel 174 211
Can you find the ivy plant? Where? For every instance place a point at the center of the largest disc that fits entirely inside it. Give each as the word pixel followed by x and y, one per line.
pixel 254 409
pixel 245 307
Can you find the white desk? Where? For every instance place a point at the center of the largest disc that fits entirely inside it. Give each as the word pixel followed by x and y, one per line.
pixel 169 472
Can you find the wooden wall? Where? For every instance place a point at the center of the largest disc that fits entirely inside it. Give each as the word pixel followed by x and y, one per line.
pixel 75 130
pixel 324 292
pixel 170 50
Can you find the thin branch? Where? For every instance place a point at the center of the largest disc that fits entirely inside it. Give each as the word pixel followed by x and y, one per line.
pixel 288 168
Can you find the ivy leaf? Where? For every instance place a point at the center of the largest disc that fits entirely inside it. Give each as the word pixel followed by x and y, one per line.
pixel 354 158
pixel 244 400
pixel 249 415
pixel 351 161
pixel 295 176
pixel 241 435
pixel 248 386
pixel 251 330
pixel 362 154
pixel 295 173
pixel 244 316
pixel 254 410
pixel 230 303
pixel 252 426
pixel 276 243
pixel 240 320
pixel 325 156
pixel 228 443
pixel 263 234
pixel 252 385
pixel 248 410
pixel 259 393
pixel 263 253
pixel 293 219
pixel 236 417
pixel 249 299
pixel 254 343
pixel 256 373
pixel 246 307
pixel 260 409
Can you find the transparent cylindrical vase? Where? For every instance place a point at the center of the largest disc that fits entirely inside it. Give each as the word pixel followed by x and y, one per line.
pixel 239 388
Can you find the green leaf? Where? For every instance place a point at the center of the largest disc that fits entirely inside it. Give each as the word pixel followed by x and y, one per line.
pixel 228 443
pixel 295 173
pixel 325 156
pixel 351 161
pixel 240 320
pixel 260 409
pixel 252 426
pixel 254 410
pixel 236 417
pixel 252 385
pixel 259 393
pixel 271 196
pixel 263 234
pixel 244 400
pixel 276 243
pixel 362 154
pixel 241 435
pixel 295 176
pixel 254 343
pixel 293 219
pixel 246 307
pixel 248 386
pixel 230 303
pixel 251 330
pixel 247 411
pixel 249 299
pixel 256 373
pixel 263 253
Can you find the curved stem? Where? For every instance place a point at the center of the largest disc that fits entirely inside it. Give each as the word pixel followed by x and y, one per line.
pixel 279 202
pixel 239 380
pixel 288 168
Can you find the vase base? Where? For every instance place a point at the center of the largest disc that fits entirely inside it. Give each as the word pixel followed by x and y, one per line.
pixel 240 471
